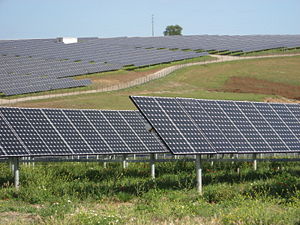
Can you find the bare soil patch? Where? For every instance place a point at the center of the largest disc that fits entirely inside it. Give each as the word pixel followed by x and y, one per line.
pixel 258 86
pixel 115 79
pixel 18 218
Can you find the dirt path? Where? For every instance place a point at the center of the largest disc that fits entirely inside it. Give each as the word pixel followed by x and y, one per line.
pixel 140 80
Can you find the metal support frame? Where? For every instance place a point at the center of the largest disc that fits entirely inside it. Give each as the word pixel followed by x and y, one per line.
pixel 14 162
pixel 254 162
pixel 16 172
pixel 152 165
pixel 199 174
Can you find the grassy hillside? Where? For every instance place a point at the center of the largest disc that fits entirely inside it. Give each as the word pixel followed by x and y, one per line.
pixel 213 81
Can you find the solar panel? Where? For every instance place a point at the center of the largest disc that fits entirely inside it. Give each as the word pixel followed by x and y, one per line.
pixel 126 133
pixel 211 126
pixel 134 119
pixel 245 128
pixel 68 132
pixel 282 130
pixel 206 122
pixel 10 143
pixel 46 130
pixel 261 125
pixel 87 131
pixel 54 132
pixel 27 134
pixel 107 131
pixel 227 127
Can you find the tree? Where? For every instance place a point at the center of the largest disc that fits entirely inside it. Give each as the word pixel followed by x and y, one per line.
pixel 173 30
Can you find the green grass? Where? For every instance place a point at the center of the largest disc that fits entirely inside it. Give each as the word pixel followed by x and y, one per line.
pixel 87 193
pixel 276 51
pixel 196 82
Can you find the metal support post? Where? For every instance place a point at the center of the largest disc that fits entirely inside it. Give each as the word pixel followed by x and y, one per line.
pixel 152 165
pixel 232 157
pixel 105 163
pixel 11 165
pixel 211 162
pixel 199 174
pixel 125 164
pixel 254 162
pixel 16 171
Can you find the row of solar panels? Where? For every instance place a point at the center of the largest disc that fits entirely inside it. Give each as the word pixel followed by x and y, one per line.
pixel 37 85
pixel 122 48
pixel 245 43
pixel 40 132
pixel 189 126
pixel 181 126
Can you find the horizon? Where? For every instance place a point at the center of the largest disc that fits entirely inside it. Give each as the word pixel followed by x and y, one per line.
pixel 153 36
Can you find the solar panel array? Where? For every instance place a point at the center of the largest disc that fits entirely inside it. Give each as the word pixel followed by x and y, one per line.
pixel 244 43
pixel 36 65
pixel 56 132
pixel 189 126
pixel 40 64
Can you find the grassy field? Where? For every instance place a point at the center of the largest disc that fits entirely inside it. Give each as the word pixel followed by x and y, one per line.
pixel 276 51
pixel 273 52
pixel 203 81
pixel 87 193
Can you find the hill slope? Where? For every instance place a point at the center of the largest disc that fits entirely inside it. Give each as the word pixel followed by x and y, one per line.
pixel 268 78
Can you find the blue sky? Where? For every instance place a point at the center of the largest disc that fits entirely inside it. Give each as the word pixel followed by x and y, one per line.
pixel 110 18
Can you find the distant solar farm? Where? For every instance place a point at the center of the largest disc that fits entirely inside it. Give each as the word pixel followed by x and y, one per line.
pixel 37 65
